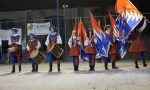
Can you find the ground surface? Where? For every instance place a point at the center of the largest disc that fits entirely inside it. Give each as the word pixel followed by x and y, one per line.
pixel 125 78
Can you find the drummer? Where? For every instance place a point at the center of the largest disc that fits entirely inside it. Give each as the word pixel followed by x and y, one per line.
pixel 15 41
pixel 32 45
pixel 53 38
pixel 0 51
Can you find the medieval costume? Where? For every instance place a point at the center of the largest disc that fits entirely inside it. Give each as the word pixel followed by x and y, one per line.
pixel 90 43
pixel 112 54
pixel 0 50
pixel 32 45
pixel 15 42
pixel 53 38
pixel 137 47
pixel 74 45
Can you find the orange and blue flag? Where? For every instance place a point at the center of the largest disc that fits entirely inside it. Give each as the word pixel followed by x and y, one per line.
pixel 117 35
pixel 129 17
pixel 103 43
pixel 82 38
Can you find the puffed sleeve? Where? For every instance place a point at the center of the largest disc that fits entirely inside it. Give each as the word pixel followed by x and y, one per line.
pixel 47 40
pixel 78 41
pixel 39 45
pixel 28 48
pixel 19 41
pixel 59 41
pixel 70 42
pixel 86 42
pixel 95 40
pixel 9 41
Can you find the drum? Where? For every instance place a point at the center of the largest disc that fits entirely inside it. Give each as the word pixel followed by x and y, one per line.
pixel 12 49
pixel 37 56
pixel 55 50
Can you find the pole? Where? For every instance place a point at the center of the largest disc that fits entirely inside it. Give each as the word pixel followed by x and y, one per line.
pixel 58 16
pixel 65 6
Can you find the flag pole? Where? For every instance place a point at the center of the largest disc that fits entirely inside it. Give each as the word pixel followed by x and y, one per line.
pixel 57 5
pixel 147 20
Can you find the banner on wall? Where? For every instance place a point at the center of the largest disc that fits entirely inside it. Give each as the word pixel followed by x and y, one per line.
pixel 5 34
pixel 38 28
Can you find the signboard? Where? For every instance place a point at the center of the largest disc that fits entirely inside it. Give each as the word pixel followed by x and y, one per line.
pixel 5 34
pixel 38 28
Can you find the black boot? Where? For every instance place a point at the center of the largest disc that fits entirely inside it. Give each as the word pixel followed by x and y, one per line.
pixel 144 63
pixel 114 65
pixel 100 61
pixel 90 67
pixel 136 64
pixel 106 65
pixel 50 67
pixel 77 67
pixel 13 69
pixel 20 68
pixel 58 66
pixel 33 68
pixel 36 68
pixel 74 67
pixel 93 67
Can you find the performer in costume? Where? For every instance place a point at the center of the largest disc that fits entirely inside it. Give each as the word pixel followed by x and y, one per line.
pixel 112 50
pixel 15 41
pixel 74 45
pixel 0 50
pixel 32 45
pixel 90 48
pixel 53 38
pixel 0 42
pixel 137 47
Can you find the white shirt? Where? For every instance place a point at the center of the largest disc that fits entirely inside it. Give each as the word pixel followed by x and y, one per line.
pixel 59 40
pixel 87 42
pixel 19 42
pixel 38 46
pixel 71 40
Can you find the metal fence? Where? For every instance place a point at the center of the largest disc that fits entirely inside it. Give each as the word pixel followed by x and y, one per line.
pixel 66 27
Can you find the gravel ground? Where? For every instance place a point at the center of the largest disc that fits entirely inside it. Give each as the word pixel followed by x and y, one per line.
pixel 125 78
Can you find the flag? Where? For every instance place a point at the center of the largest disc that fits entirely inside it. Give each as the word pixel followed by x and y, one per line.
pixel 99 23
pixel 82 38
pixel 75 28
pixel 119 24
pixel 122 49
pixel 103 43
pixel 129 17
pixel 117 35
pixel 82 32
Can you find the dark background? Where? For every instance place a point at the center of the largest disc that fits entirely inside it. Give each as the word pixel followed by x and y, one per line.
pixel 19 5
